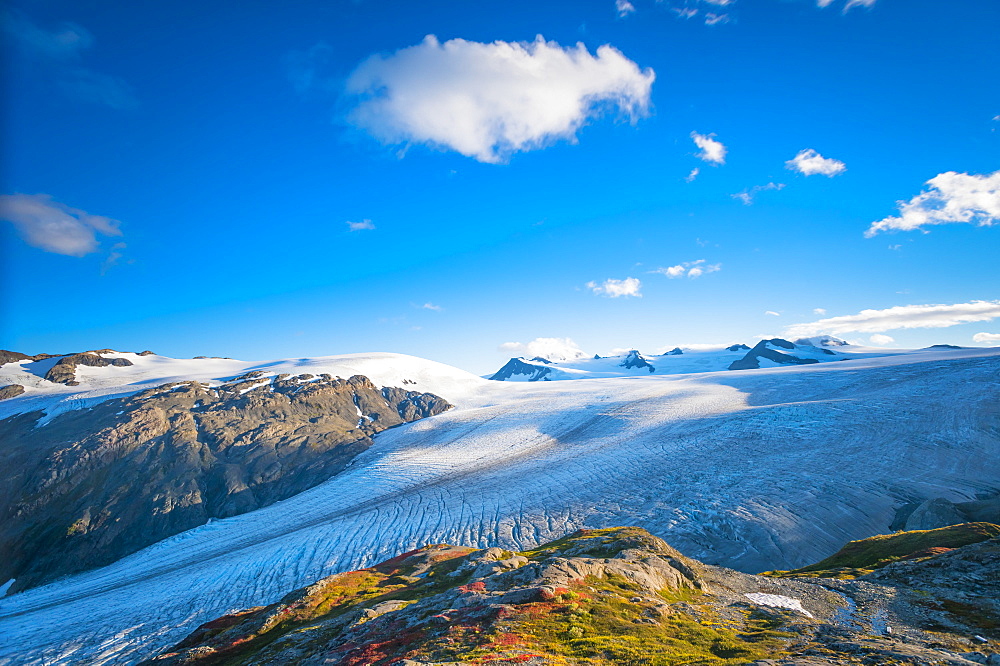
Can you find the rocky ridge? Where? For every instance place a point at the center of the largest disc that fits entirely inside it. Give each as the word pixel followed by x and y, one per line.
pixel 90 486
pixel 616 596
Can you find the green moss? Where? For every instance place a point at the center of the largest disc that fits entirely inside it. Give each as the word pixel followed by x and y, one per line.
pixel 860 557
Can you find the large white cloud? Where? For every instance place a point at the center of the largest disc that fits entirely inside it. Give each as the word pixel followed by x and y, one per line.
pixel 55 227
pixel 809 162
pixel 899 317
pixel 711 150
pixel 986 337
pixel 554 349
pixel 487 101
pixel 613 288
pixel 951 198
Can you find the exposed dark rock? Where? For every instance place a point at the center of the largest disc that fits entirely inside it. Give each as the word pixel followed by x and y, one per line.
pixel 739 347
pixel 64 371
pixel 634 360
pixel 10 391
pixel 752 359
pixel 517 366
pixel 944 347
pixel 93 485
pixel 676 351
pixel 13 356
pixel 933 514
pixel 539 359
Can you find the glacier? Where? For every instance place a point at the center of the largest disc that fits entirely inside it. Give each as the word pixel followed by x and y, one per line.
pixel 757 469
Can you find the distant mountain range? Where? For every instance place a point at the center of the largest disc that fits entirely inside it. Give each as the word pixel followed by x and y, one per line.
pixel 770 353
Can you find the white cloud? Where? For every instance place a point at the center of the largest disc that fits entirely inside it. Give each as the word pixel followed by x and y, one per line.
pixel 554 349
pixel 691 176
pixel 624 7
pixel 808 162
pixel 692 269
pixel 881 339
pixel 488 101
pixel 747 196
pixel 363 225
pixel 899 317
pixel 772 313
pixel 685 12
pixel 612 288
pixel 986 337
pixel 819 311
pixel 951 198
pixel 431 306
pixel 720 3
pixel 55 227
pixel 58 53
pixel 711 150
pixel 712 18
pixel 849 5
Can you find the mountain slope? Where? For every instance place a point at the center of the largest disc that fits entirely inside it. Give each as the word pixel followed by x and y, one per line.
pixel 757 470
pixel 616 595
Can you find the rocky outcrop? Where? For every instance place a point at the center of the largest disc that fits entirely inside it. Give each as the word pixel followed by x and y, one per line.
pixel 517 366
pixel 11 391
pixel 64 371
pixel 763 349
pixel 676 351
pixel 90 486
pixel 634 360
pixel 940 512
pixel 613 596
pixel 737 347
pixel 14 357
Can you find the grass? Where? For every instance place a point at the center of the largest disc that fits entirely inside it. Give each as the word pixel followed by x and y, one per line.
pixel 864 556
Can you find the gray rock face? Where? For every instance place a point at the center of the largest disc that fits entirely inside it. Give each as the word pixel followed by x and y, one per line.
pixel 91 486
pixel 934 513
pixel 517 366
pixel 635 360
pixel 11 391
pixel 761 350
pixel 64 371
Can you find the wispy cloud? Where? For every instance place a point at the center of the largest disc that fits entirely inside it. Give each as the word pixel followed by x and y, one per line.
pixel 900 317
pixel 747 196
pixel 554 349
pixel 711 18
pixel 58 55
pixel 691 176
pixel 431 306
pixel 809 162
pixel 772 313
pixel 986 337
pixel 488 101
pixel 624 7
pixel 55 227
pixel 712 151
pixel 308 71
pixel 613 288
pixel 848 5
pixel 691 269
pixel 363 225
pixel 819 311
pixel 951 198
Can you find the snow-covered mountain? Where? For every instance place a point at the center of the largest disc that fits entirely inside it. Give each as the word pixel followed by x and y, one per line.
pixel 765 354
pixel 757 469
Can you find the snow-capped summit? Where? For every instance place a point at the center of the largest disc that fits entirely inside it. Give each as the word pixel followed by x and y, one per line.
pixel 634 360
pixel 822 341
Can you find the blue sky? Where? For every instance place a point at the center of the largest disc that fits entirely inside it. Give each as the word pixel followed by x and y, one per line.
pixel 238 179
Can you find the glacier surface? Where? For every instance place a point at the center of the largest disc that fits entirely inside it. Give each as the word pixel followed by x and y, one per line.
pixel 758 469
